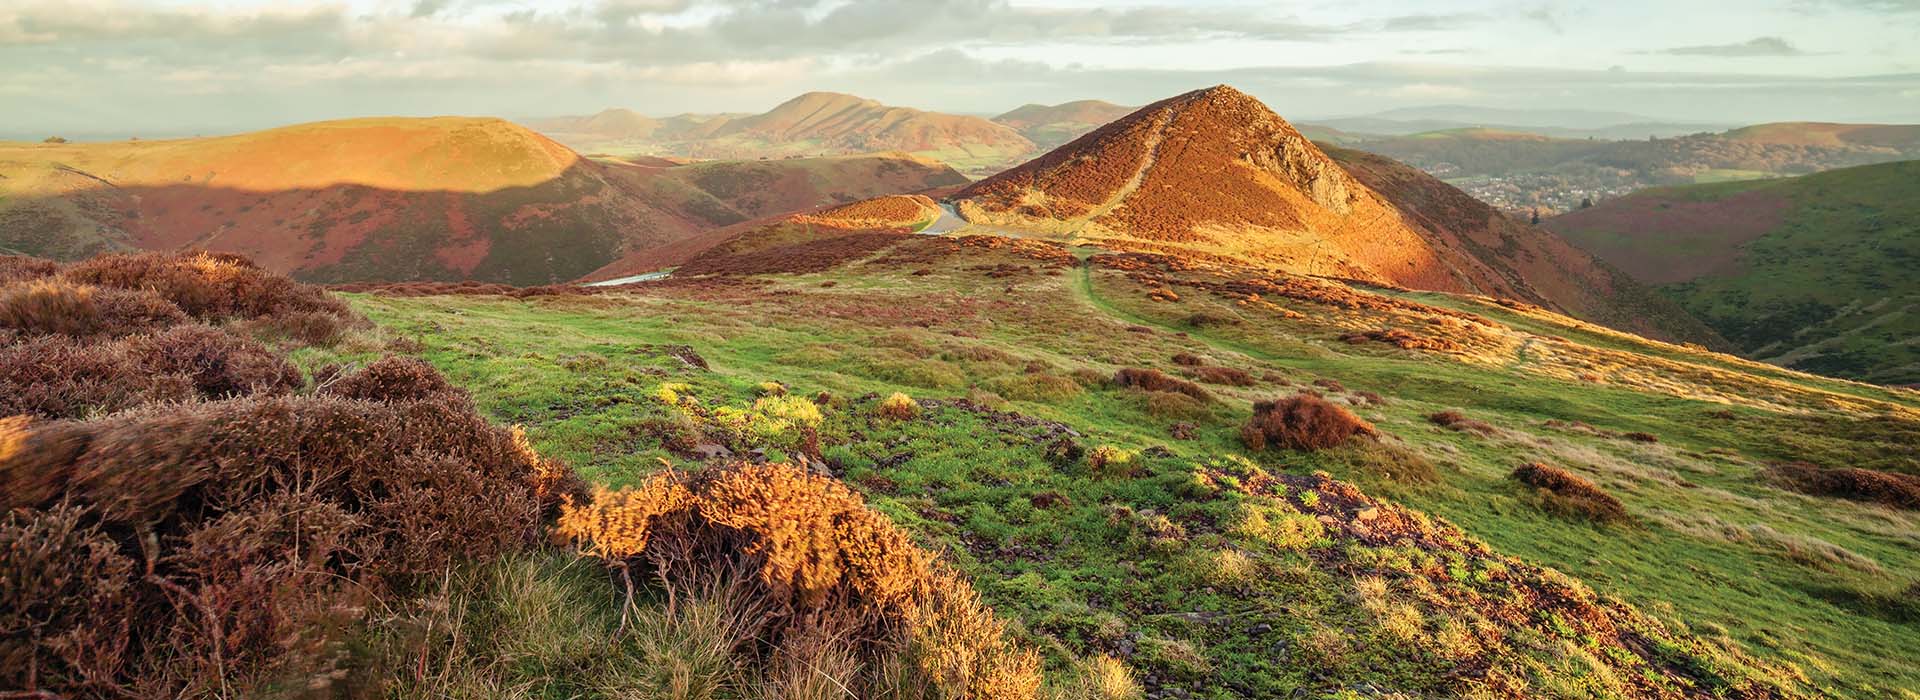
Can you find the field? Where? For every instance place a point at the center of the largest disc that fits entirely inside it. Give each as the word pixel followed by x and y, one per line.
pixel 1134 522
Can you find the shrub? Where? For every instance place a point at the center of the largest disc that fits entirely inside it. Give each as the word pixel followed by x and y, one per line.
pixel 1103 677
pixel 898 406
pixel 57 377
pixel 43 307
pixel 1636 436
pixel 1459 422
pixel 1112 462
pixel 1567 493
pixel 1170 405
pixel 816 556
pixel 1187 359
pixel 1301 422
pixel 1039 387
pixel 1222 375
pixel 208 286
pixel 1155 380
pixel 394 378
pixel 220 364
pixel 20 268
pixel 1866 485
pixel 276 516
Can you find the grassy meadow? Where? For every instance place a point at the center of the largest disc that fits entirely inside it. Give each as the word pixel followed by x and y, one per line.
pixel 1131 535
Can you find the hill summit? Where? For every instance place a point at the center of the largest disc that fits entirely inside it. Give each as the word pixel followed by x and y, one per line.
pixel 1215 175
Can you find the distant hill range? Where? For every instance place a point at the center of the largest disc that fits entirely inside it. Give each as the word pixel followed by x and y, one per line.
pixel 1558 123
pixel 1051 126
pixel 1522 171
pixel 446 198
pixel 813 124
pixel 1816 272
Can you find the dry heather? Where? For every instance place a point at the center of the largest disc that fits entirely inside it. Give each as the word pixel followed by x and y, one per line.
pixel 1567 493
pixel 1229 376
pixel 1866 485
pixel 897 211
pixel 817 560
pixel 182 526
pixel 97 337
pixel 1155 380
pixel 1459 422
pixel 1301 422
pixel 1403 339
pixel 259 524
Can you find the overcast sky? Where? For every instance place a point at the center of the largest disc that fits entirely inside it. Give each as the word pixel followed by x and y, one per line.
pixel 161 67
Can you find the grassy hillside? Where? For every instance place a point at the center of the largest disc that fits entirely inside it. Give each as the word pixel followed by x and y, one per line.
pixel 1814 272
pixel 1116 515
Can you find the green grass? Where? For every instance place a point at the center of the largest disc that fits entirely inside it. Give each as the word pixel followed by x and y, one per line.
pixel 1710 548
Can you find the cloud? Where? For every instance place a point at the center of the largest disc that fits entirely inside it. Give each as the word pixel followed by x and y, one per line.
pixel 1760 46
pixel 1889 6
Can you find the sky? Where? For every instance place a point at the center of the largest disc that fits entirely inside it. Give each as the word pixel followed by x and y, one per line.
pixel 161 67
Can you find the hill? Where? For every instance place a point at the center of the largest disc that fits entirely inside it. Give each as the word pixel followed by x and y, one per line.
pixel 403 199
pixel 1049 126
pixel 1215 175
pixel 1813 272
pixel 813 124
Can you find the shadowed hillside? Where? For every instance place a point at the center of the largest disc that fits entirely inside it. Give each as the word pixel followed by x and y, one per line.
pixel 1814 272
pixel 403 199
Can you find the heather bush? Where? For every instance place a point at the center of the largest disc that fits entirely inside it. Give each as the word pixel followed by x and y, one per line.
pixel 1866 485
pixel 220 364
pixel 208 286
pixel 1301 422
pixel 266 522
pixel 1459 422
pixel 394 378
pixel 55 376
pixel 819 561
pixel 1155 380
pixel 1566 493
pixel 1222 375
pixel 20 268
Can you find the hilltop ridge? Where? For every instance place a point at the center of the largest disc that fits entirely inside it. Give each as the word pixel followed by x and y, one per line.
pixel 1215 175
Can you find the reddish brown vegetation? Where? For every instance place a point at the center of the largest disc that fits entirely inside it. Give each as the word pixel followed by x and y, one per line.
pixel 1155 380
pixel 209 286
pixel 1459 422
pixel 269 515
pixel 1301 422
pixel 1186 359
pixel 1403 339
pixel 171 550
pixel 1567 493
pixel 1867 485
pixel 891 211
pixel 811 255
